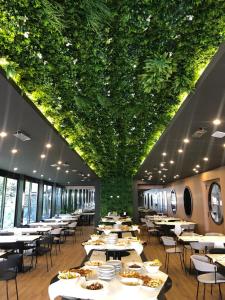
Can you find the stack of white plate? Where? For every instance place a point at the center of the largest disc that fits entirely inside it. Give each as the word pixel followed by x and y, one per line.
pixel 106 272
pixel 112 238
pixel 117 264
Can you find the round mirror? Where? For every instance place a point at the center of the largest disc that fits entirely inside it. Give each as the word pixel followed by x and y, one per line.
pixel 173 201
pixel 187 201
pixel 215 203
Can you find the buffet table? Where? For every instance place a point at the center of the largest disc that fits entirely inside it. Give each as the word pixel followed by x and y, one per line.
pixel 112 290
pixel 122 244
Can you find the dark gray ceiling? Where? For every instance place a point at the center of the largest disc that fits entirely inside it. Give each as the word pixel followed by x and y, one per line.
pixel 16 113
pixel 199 110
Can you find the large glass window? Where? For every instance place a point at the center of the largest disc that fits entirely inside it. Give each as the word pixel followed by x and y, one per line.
pixel 47 202
pixel 215 203
pixel 10 203
pixel 1 199
pixel 58 200
pixel 29 205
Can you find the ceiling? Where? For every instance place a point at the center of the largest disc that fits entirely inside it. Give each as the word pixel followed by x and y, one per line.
pixel 16 113
pixel 200 108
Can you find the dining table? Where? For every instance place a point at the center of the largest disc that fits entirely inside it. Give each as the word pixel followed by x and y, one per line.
pixel 218 241
pixel 112 289
pixel 49 224
pixel 27 230
pixel 117 249
pixel 119 229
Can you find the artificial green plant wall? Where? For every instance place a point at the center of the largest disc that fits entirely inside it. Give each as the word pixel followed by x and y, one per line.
pixel 116 195
pixel 109 75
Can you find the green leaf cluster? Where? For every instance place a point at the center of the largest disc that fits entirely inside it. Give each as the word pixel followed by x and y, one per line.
pixel 109 75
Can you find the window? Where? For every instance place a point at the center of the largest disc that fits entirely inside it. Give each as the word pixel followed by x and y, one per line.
pixel 29 204
pixel 173 201
pixel 10 203
pixel 1 199
pixel 47 201
pixel 187 202
pixel 215 203
pixel 58 200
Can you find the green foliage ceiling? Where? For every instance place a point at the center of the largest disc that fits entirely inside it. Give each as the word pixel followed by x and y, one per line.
pixel 109 74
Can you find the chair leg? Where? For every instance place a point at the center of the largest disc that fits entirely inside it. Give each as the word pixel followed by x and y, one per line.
pixel 165 260
pixel 167 270
pixel 7 292
pixel 197 291
pixel 17 296
pixel 221 297
pixel 181 262
pixel 211 289
pixel 204 292
pixel 50 253
pixel 46 257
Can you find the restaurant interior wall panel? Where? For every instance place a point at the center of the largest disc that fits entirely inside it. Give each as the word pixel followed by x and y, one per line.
pixel 199 186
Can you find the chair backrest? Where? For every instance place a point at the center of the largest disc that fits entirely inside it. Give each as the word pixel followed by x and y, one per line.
pixel 56 231
pixel 150 224
pixel 72 225
pixel 202 264
pixel 201 246
pixel 214 234
pixel 168 241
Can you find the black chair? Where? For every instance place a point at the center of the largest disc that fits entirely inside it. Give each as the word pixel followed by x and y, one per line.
pixel 8 233
pixel 44 246
pixel 9 269
pixel 217 251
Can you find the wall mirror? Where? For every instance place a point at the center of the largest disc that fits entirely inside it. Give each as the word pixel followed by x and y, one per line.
pixel 187 201
pixel 215 203
pixel 173 201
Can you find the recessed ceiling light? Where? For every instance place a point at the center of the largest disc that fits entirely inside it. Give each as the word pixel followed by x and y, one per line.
pixel 43 155
pixel 218 134
pixel 216 122
pixel 194 169
pixel 164 175
pixel 3 134
pixel 88 175
pixel 15 169
pixel 67 171
pixel 159 172
pixel 34 171
pixel 171 162
pixel 164 154
pixel 42 175
pixel 180 150
pixel 14 151
pixel 68 182
pixel 49 179
pixel 146 171
pixel 59 162
pixel 186 141
pixel 58 168
pixel 48 145
pixel 197 166
pixel 162 164
pixel 205 159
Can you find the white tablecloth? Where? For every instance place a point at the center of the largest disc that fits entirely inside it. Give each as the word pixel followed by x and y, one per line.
pixel 114 290
pixel 138 247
